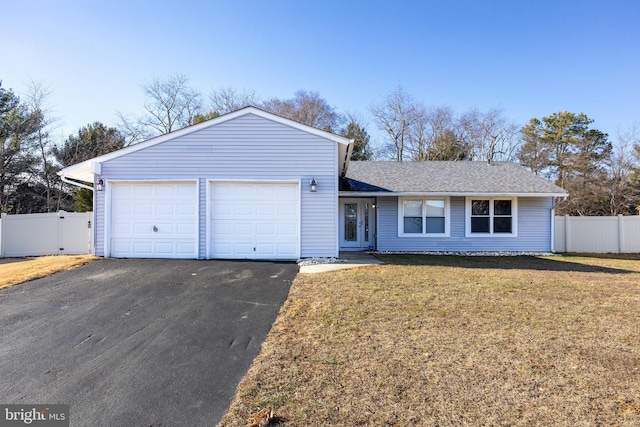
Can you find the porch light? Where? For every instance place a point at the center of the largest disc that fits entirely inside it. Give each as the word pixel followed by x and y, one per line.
pixel 313 185
pixel 100 185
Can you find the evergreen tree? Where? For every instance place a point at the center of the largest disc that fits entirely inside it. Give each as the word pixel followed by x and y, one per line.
pixel 564 148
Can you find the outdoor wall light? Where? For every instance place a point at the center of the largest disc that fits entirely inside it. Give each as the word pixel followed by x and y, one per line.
pixel 313 185
pixel 100 185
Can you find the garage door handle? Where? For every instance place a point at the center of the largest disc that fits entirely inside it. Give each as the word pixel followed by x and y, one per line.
pixel 155 228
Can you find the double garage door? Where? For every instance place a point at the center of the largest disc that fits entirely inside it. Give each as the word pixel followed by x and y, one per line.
pixel 246 220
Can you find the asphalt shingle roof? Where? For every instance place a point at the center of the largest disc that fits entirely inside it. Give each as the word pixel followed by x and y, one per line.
pixel 445 177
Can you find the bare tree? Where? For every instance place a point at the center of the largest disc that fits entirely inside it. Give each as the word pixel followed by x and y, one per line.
pixel 227 99
pixel 434 135
pixel 622 164
pixel 133 129
pixel 490 135
pixel 395 116
pixel 306 107
pixel 42 123
pixel 170 104
pixel 418 137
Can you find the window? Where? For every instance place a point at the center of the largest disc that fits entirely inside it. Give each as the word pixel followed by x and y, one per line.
pixel 423 217
pixel 491 216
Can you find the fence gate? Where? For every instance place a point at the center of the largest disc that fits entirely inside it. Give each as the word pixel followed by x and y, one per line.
pixel 58 233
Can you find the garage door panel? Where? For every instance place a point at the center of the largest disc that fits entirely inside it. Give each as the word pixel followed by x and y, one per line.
pixel 143 229
pixel 142 209
pixel 243 249
pixel 266 249
pixel 139 207
pixel 141 190
pixel 166 209
pixel 121 209
pixel 255 213
pixel 186 248
pixel 288 209
pixel 223 249
pixel 121 190
pixel 289 192
pixel 266 192
pixel 186 190
pixel 288 249
pixel 188 228
pixel 164 247
pixel 143 247
pixel 185 209
pixel 222 229
pixel 118 245
pixel 241 229
pixel 243 209
pixel 265 229
pixel 222 209
pixel 166 190
pixel 287 230
pixel 121 228
pixel 265 209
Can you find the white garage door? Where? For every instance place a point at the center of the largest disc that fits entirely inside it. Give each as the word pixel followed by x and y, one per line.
pixel 254 220
pixel 154 220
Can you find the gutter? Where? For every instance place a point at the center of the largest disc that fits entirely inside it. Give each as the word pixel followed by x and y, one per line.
pixel 443 194
pixel 77 184
pixel 347 156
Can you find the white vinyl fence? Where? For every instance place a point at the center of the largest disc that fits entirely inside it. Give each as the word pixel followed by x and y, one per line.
pixel 597 234
pixel 55 233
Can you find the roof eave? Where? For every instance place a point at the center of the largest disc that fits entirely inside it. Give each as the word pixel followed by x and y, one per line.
pixel 443 194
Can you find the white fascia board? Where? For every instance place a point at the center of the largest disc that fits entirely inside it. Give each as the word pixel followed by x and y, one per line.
pixel 344 155
pixel 442 194
pixel 288 122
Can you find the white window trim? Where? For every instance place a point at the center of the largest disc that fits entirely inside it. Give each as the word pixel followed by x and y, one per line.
pixel 491 234
pixel 447 217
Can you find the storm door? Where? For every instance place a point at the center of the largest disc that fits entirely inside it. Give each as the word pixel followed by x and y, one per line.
pixel 357 224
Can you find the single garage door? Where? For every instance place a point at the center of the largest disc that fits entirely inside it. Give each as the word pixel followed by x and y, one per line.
pixel 154 220
pixel 254 220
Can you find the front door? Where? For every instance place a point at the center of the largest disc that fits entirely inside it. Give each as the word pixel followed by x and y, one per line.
pixel 357 224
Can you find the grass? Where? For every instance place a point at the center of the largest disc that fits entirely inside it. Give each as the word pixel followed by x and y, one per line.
pixel 22 270
pixel 439 340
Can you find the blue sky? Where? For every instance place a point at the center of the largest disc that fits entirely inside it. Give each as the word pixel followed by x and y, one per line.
pixel 530 58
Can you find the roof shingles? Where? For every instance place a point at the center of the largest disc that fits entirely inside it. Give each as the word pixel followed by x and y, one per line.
pixel 445 177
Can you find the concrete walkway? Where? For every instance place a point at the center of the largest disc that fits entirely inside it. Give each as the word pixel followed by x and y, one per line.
pixel 346 260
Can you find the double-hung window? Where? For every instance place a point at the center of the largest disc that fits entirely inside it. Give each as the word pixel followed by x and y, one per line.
pixel 491 216
pixel 426 217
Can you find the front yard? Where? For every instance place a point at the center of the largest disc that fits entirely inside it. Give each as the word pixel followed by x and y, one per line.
pixel 18 270
pixel 438 340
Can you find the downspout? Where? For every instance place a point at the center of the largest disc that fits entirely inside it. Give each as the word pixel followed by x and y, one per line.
pixel 553 224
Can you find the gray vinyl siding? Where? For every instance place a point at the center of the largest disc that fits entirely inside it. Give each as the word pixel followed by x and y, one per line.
pixel 98 221
pixel 247 148
pixel 534 229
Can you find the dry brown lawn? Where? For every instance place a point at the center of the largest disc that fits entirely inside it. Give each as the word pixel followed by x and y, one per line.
pixel 449 341
pixel 21 270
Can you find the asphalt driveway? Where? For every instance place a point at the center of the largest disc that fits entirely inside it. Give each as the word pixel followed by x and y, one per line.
pixel 138 342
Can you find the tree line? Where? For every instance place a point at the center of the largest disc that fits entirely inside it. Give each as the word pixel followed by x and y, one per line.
pixel 601 175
